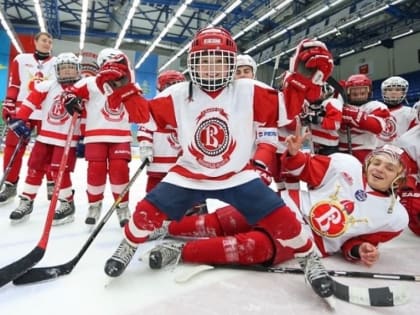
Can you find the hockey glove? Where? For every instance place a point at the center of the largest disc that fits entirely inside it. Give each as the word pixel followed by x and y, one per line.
pixel 9 109
pixel 72 103
pixel 313 114
pixel 146 151
pixel 20 128
pixel 352 116
pixel 80 148
pixel 263 172
pixel 111 76
pixel 313 60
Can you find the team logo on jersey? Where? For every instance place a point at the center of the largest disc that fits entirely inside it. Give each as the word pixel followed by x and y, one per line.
pixel 213 145
pixel 113 114
pixel 57 115
pixel 172 139
pixel 332 217
pixel 390 131
pixel 360 195
pixel 35 79
pixel 347 178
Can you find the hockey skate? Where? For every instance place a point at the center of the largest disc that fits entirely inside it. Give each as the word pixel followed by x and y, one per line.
pixel 94 213
pixel 65 213
pixel 116 265
pixel 50 190
pixel 123 213
pixel 165 254
pixel 23 211
pixel 159 233
pixel 317 276
pixel 8 193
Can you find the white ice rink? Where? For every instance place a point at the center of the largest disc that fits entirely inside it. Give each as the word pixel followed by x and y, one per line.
pixel 87 290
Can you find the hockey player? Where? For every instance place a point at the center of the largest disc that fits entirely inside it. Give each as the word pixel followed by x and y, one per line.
pixel 49 145
pixel 246 67
pixel 107 139
pixel 350 208
pixel 26 70
pixel 410 194
pixel 214 117
pixel 394 92
pixel 363 120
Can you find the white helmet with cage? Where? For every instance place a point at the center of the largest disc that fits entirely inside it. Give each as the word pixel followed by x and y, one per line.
pixel 247 60
pixel 394 90
pixel 212 58
pixel 67 68
pixel 108 54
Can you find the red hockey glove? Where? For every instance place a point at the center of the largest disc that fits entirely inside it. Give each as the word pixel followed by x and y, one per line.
pixel 352 116
pixel 9 109
pixel 123 94
pixel 263 171
pixel 296 89
pixel 313 59
pixel 71 102
pixel 112 76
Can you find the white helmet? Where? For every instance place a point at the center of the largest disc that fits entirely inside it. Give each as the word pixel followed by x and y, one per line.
pixel 247 60
pixel 67 59
pixel 394 90
pixel 107 54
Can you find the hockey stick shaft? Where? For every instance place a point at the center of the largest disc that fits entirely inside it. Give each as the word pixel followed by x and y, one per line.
pixel 12 160
pixel 15 269
pixel 46 273
pixel 334 273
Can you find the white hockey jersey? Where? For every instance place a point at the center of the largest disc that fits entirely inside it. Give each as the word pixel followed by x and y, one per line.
pixel 102 123
pixel 339 208
pixel 410 143
pixel 217 132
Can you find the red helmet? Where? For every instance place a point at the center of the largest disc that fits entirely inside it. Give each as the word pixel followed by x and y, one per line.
pixel 208 45
pixel 358 81
pixel 168 78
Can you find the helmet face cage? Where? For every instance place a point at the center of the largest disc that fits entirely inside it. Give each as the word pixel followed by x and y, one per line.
pixel 212 69
pixel 168 78
pixel 358 89
pixel 394 90
pixel 67 68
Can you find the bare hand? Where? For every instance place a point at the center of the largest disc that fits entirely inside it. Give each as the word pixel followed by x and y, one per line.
pixel 294 142
pixel 369 254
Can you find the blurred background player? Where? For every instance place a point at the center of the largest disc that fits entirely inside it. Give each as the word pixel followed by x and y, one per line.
pixel 107 138
pixel 246 67
pixel 394 91
pixel 26 70
pixel 363 119
pixel 51 139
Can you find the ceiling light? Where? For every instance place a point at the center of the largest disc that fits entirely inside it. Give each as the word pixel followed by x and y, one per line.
pixel 9 32
pixel 39 17
pixel 127 23
pixel 347 53
pixel 410 31
pixel 83 24
pixel 372 45
pixel 375 11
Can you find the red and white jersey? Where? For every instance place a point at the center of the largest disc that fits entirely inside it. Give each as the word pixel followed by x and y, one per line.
pixel 340 208
pixel 366 138
pixel 217 131
pixel 102 123
pixel 326 133
pixel 402 119
pixel 25 72
pixel 410 143
pixel 166 149
pixel 46 97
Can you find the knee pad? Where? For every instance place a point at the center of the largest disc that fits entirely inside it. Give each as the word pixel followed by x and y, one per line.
pixel 231 221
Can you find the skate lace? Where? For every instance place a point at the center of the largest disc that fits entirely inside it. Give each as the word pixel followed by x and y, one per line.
pixel 171 253
pixel 159 233
pixel 25 206
pixel 124 253
pixel 64 207
pixel 8 190
pixel 314 269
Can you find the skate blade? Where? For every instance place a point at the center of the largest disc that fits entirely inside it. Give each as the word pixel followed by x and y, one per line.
pixel 19 221
pixel 330 301
pixel 65 220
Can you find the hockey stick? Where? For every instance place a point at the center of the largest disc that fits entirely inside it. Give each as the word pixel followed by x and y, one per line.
pixel 376 296
pixel 12 159
pixel 15 269
pixel 52 272
pixel 3 134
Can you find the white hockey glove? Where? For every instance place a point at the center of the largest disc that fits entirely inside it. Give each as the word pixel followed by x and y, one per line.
pixel 146 151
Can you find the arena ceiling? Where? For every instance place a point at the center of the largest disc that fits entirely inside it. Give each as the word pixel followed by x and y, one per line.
pixel 265 29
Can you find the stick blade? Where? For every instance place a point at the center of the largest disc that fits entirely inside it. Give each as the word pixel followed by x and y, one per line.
pixel 17 268
pixel 44 273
